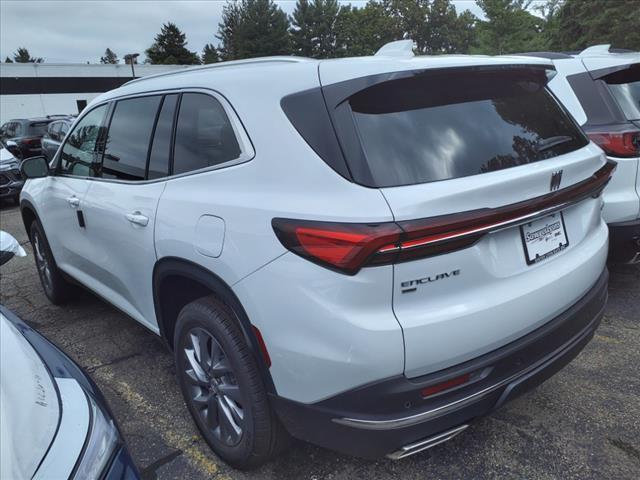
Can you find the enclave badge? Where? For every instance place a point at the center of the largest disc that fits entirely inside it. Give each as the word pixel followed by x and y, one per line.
pixel 412 285
pixel 556 178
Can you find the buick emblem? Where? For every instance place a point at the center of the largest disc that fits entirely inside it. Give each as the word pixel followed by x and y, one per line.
pixel 556 178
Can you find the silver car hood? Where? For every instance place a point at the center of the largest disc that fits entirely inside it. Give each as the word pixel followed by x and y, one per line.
pixel 29 405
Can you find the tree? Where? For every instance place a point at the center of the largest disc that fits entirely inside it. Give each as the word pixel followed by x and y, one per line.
pixel 210 54
pixel 22 56
pixel 577 24
pixel 362 31
pixel 229 30
pixel 170 48
pixel 313 30
pixel 8 60
pixel 253 28
pixel 509 27
pixel 109 57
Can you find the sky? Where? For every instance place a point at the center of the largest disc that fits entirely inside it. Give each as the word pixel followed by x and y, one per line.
pixel 76 31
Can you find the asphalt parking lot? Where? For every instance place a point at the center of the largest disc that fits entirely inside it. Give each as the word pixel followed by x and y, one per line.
pixel 582 423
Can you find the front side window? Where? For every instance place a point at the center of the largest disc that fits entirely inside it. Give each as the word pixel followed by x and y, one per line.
pixel 204 134
pixel 80 154
pixel 127 145
pixel 441 126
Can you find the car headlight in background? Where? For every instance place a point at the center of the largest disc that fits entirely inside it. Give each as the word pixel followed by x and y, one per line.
pixel 101 443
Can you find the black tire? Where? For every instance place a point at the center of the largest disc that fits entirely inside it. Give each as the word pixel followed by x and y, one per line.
pixel 261 435
pixel 56 288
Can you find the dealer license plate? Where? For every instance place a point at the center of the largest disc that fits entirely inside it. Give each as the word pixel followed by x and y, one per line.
pixel 544 237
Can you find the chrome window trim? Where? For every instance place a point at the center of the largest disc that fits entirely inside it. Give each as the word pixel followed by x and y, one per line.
pixel 247 151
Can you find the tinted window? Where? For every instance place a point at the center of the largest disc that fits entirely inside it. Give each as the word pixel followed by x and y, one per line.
pixel 80 153
pixel 625 87
pixel 54 130
pixel 38 128
pixel 204 135
pixel 64 128
pixel 161 148
pixel 442 126
pixel 125 155
pixel 17 129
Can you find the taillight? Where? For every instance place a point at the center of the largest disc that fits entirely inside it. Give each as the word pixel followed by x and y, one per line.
pixel 347 247
pixel 31 142
pixel 616 142
pixel 341 246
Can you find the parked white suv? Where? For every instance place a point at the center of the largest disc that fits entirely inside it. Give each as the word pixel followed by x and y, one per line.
pixel 366 253
pixel 601 89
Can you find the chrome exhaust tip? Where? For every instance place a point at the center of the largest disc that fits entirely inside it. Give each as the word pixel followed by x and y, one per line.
pixel 422 445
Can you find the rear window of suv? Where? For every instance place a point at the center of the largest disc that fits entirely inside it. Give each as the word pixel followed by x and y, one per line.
pixel 625 88
pixel 446 125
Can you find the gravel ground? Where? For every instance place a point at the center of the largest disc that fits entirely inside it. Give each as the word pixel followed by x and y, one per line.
pixel 582 423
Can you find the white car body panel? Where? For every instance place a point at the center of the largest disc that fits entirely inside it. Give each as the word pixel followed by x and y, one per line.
pixel 72 432
pixel 29 408
pixel 622 195
pixel 123 256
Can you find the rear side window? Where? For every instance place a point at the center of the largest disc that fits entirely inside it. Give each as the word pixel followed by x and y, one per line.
pixel 454 124
pixel 161 148
pixel 625 88
pixel 80 152
pixel 127 145
pixel 204 135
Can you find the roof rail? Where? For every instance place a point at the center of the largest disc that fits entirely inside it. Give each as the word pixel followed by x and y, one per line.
pixel 547 55
pixel 596 49
pixel 230 63
pixel 399 48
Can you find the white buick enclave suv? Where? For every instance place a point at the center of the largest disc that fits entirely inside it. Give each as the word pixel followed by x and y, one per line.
pixel 363 253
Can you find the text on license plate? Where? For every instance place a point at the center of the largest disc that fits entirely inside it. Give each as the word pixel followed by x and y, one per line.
pixel 544 237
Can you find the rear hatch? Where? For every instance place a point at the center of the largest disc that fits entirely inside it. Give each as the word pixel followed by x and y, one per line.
pixel 493 184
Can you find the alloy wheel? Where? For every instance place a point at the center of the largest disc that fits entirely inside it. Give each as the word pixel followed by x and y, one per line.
pixel 214 391
pixel 42 262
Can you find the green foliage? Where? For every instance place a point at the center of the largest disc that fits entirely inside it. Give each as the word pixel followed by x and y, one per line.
pixel 313 32
pixel 362 31
pixel 210 54
pixel 577 24
pixel 109 57
pixel 253 28
pixel 22 56
pixel 169 48
pixel 509 28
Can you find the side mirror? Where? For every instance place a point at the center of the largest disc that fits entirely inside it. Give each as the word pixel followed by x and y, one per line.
pixel 9 247
pixel 34 167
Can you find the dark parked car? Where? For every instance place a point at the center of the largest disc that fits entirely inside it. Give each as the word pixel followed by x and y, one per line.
pixel 54 135
pixel 27 134
pixel 11 181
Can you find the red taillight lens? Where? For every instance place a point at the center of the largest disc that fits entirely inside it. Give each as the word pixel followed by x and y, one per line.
pixel 441 387
pixel 347 247
pixel 624 143
pixel 31 142
pixel 341 246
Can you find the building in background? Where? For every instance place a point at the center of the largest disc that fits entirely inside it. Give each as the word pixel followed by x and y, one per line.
pixel 40 89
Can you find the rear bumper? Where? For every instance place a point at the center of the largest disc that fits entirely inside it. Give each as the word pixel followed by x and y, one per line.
pixel 624 242
pixel 381 418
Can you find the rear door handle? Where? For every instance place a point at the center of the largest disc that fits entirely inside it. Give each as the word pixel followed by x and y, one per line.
pixel 138 219
pixel 74 201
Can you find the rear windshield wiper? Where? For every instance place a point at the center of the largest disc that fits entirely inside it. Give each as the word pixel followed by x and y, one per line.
pixel 550 142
